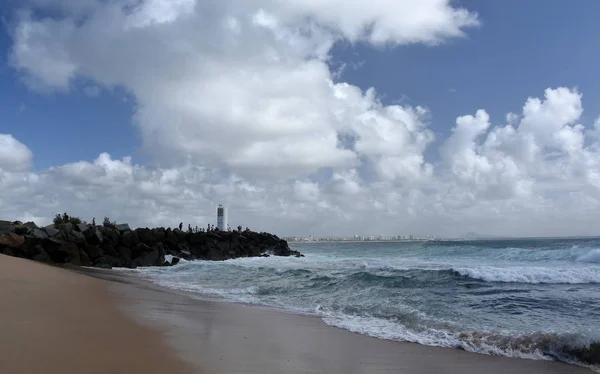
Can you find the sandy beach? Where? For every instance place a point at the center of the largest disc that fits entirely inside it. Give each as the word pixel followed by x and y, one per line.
pixel 58 321
pixel 54 321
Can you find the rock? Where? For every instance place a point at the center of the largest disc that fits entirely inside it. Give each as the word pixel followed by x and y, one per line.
pixel 198 239
pixel 11 240
pixel 111 235
pixel 103 265
pixel 38 233
pixel 69 253
pixel 159 234
pixel 146 236
pixel 93 235
pixel 21 230
pixel 175 261
pixel 130 239
pixel 77 238
pixel 7 251
pixel 32 246
pixel 6 227
pixel 125 253
pixel 93 251
pixel 109 249
pixel 122 227
pixel 85 259
pixel 139 249
pixel 42 256
pixel 67 228
pixel 110 261
pixel 179 235
pixel 81 227
pixel 147 258
pixel 186 255
pixel 31 225
pixel 51 231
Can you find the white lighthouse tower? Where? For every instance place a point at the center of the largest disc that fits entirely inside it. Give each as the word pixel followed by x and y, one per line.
pixel 221 218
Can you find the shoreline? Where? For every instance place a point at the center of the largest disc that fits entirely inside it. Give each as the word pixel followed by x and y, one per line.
pixel 84 320
pixel 247 338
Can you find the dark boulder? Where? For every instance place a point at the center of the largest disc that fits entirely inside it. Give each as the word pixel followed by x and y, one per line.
pixel 179 236
pixel 51 231
pixel 110 235
pixel 42 256
pixel 39 234
pixel 77 238
pixel 6 227
pixel 109 249
pixel 198 239
pixel 67 253
pixel 124 253
pixel 11 240
pixel 111 261
pixel 93 251
pixel 148 258
pixel 122 227
pixel 140 249
pixel 93 235
pixel 67 228
pixel 130 239
pixel 21 230
pixel 85 259
pixel 81 227
pixel 159 233
pixel 30 225
pixel 146 235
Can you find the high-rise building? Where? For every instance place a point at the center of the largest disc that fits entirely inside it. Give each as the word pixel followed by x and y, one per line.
pixel 221 218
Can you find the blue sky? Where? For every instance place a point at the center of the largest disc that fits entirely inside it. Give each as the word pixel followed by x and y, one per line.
pixel 222 102
pixel 520 49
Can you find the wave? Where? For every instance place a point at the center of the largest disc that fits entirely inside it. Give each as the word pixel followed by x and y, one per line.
pixel 396 276
pixel 570 348
pixel 532 275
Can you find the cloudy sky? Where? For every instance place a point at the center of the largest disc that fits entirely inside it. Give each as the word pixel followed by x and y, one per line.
pixel 323 117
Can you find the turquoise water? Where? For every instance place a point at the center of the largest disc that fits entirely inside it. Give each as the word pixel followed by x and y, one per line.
pixel 536 299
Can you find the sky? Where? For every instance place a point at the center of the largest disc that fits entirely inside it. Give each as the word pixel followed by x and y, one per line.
pixel 304 117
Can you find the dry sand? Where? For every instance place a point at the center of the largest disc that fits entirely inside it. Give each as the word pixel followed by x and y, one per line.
pixel 56 321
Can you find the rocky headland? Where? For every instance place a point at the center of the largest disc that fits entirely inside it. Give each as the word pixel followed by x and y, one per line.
pixel 119 246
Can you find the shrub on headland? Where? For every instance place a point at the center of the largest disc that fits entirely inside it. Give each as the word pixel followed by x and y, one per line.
pixel 65 218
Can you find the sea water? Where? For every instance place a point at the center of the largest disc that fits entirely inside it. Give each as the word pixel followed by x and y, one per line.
pixel 534 298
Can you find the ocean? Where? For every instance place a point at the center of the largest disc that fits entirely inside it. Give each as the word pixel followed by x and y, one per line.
pixel 532 298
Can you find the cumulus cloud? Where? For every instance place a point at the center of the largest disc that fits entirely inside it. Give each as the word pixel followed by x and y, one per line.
pixel 238 104
pixel 245 86
pixel 14 155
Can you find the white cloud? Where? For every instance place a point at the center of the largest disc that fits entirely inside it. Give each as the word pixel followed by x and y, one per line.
pixel 238 104
pixel 14 155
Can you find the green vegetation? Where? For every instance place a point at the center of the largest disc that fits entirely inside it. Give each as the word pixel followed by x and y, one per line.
pixel 107 223
pixel 65 218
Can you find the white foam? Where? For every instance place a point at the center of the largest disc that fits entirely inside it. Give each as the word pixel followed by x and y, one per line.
pixel 385 329
pixel 533 275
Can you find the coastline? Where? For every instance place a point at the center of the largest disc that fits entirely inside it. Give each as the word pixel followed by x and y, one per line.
pixel 83 320
pixel 227 337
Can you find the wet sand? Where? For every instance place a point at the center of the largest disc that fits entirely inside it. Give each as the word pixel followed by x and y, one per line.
pixel 54 321
pixel 61 321
pixel 223 337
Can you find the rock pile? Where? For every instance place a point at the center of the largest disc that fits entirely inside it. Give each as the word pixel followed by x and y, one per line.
pixel 119 246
